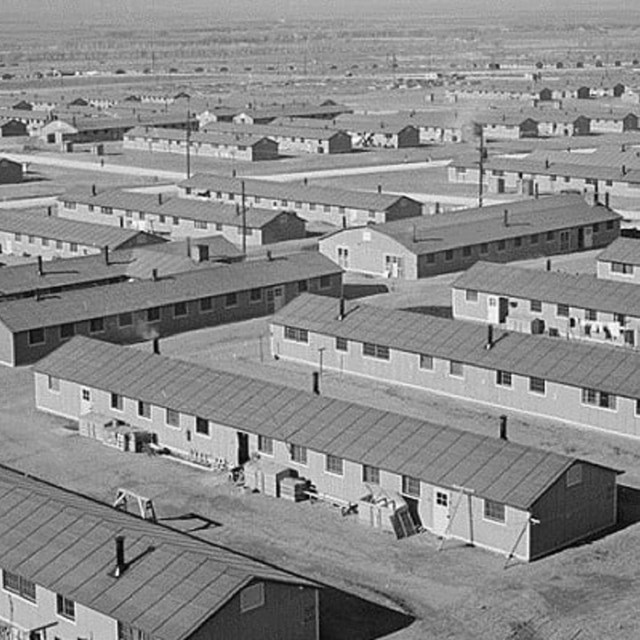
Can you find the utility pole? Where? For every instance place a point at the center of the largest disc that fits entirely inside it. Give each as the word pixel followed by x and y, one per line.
pixel 188 138
pixel 244 219
pixel 480 130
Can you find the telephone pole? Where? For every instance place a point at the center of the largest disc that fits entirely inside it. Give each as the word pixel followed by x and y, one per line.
pixel 244 219
pixel 188 138
pixel 481 166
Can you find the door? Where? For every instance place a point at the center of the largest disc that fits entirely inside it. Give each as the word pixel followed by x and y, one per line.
pixel 503 310
pixel 493 311
pixel 243 447
pixel 500 185
pixel 564 240
pixel 275 299
pixel 587 237
pixel 441 507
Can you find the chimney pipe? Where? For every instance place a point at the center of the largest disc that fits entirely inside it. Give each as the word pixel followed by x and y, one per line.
pixel 188 244
pixel 548 265
pixel 49 211
pixel 506 218
pixel 154 274
pixel 120 562
pixel 503 427
pixel 315 382
pixel 489 344
pixel 305 181
pixel 105 252
pixel 156 346
pixel 94 191
pixel 342 313
pixel 606 199
pixel 269 256
pixel 379 188
pixel 159 198
pixel 40 268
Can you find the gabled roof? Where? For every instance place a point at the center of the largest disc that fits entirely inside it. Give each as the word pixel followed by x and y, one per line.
pixel 622 250
pixel 571 362
pixel 219 279
pixel 427 234
pixel 173 584
pixel 56 228
pixel 293 192
pixel 205 211
pixel 441 455
pixel 204 137
pixel 584 291
pixel 284 127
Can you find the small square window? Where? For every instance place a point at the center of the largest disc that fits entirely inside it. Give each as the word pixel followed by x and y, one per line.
pixel 370 474
pixel 466 251
pixel 342 344
pixel 537 385
pixel 334 464
pixel 471 295
pixel 206 304
pixel 502 245
pixel 442 499
pixel 325 282
pixel 298 454
pixel 67 330
pixel 431 258
pixel 175 220
pixel 535 306
pixel 265 445
pixel 153 314
pixel 504 379
pixel 202 426
pixel 53 383
pixel 36 336
pixel 551 236
pixel 96 325
pixel 411 486
pixel 117 401
pixel 172 418
pixel 456 369
pixel 448 255
pixel 144 409
pixel 534 238
pixel 494 511
pixel 231 300
pixel 484 248
pixel 562 310
pixel 426 362
pixel 125 319
pixel 255 295
pixel 86 395
pixel 517 241
pixel 180 310
pixel 73 247
pixel 303 285
pixel 591 315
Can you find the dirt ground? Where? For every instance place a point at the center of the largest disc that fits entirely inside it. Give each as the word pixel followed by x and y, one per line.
pixel 456 593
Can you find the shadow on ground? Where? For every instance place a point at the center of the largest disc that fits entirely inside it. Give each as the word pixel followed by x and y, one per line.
pixel 344 616
pixel 433 310
pixel 353 291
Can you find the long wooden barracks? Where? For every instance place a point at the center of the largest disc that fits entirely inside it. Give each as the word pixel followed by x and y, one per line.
pixel 76 567
pixel 491 492
pixel 140 310
pixel 566 380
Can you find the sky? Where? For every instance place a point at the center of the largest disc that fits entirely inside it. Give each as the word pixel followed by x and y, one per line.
pixel 133 12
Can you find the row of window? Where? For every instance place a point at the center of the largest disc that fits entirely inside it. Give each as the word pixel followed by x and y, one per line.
pixel 46 242
pixel 16 584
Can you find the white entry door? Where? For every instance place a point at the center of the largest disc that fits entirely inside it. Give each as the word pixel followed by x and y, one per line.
pixel 441 510
pixel 275 299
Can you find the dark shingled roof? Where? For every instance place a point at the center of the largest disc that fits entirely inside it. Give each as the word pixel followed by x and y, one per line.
pixel 496 469
pixel 87 234
pixel 428 234
pixel 574 363
pixel 584 291
pixel 293 192
pixel 64 542
pixel 219 279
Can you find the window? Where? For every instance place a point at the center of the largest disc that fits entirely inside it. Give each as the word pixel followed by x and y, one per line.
pixel 333 464
pixel 620 318
pixel 265 445
pixel 370 474
pixel 562 310
pixel 484 248
pixel 127 632
pixel 591 315
pixel 36 336
pixel 596 228
pixel 17 237
pixel 503 378
pixel 296 335
pixel 494 511
pixel 537 385
pixel 502 245
pixel 106 210
pixel 65 607
pixel 534 238
pixel 298 454
pixel 517 241
pixel 574 475
pixel 86 395
pixel 426 362
pixel 551 236
pixel 312 206
pixel 327 208
pixel 141 215
pixel 325 282
pixel 202 426
pixel 162 219
pixel 45 242
pixel 180 310
pixel 610 225
pixel 255 295
pixel 456 369
pixel 73 247
pixel 431 258
pixel 67 330
pixel 448 254
pixel 535 306
pixel 375 351
pixel 231 300
pixel 172 418
pixel 153 314
pixel 59 244
pixel 144 409
pixel 206 304
pixel 20 586
pixel 471 295
pixel 252 597
pixel 32 239
pixel 411 486
pixel 175 220
pixel 219 226
pixel 466 251
pixel 125 319
pixel 96 325
pixel 342 344
pixel 600 399
pixel 442 499
pixel 303 285
pixel 69 205
pixel 621 267
pixel 117 401
pixel 53 383
pixel 199 224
